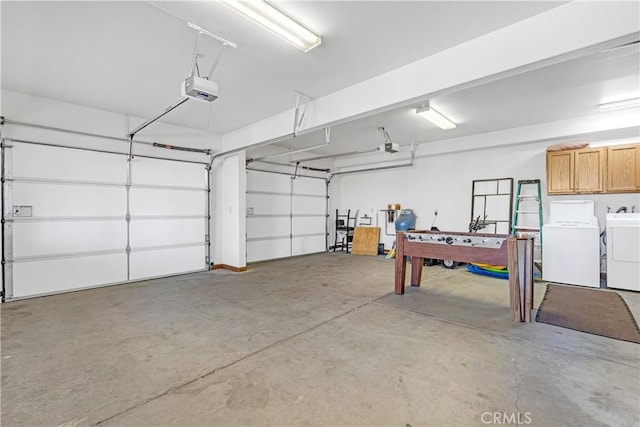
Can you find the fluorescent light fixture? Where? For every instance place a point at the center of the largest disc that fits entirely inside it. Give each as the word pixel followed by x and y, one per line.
pixel 273 20
pixel 436 118
pixel 618 105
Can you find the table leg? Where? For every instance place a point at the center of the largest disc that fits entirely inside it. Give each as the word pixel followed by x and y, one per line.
pixel 416 270
pixel 528 280
pixel 514 279
pixel 401 264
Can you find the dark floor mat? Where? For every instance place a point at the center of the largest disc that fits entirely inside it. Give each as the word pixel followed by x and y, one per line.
pixel 596 311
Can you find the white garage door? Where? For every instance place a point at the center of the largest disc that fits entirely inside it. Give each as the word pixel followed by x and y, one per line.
pixel 285 216
pixel 72 221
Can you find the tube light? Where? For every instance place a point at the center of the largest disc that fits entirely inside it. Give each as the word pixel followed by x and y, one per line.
pixel 436 118
pixel 618 105
pixel 273 20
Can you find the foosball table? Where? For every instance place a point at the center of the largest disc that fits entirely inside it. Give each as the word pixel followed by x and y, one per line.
pixel 496 249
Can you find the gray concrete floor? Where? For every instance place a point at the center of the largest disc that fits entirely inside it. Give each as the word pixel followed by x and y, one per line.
pixel 315 340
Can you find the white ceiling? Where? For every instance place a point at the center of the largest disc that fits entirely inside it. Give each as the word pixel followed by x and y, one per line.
pixel 131 57
pixel 567 90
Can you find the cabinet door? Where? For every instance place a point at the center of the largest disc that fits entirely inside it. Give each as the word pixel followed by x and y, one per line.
pixel 623 168
pixel 560 172
pixel 590 164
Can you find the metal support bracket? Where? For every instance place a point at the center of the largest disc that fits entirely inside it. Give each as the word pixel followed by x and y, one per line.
pixel 401 165
pixel 130 146
pixel 295 172
pixel 194 61
pixel 297 120
pixel 327 141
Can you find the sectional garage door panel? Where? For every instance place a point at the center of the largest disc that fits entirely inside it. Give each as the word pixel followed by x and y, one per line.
pixel 308 245
pixel 67 237
pixel 155 202
pixel 170 231
pixel 308 205
pixel 268 216
pixel 70 231
pixel 157 172
pixel 167 205
pixel 65 274
pixel 68 200
pixel 309 216
pixel 261 228
pixel 79 224
pixel 260 250
pixel 285 216
pixel 42 162
pixel 304 226
pixel 312 186
pixel 268 182
pixel 269 204
pixel 164 262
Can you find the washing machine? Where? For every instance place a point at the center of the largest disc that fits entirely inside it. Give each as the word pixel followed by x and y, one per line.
pixel 571 244
pixel 623 251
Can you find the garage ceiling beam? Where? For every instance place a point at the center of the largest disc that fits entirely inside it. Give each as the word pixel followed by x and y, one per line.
pixel 498 54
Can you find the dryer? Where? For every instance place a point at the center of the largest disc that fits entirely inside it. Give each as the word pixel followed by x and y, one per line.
pixel 623 251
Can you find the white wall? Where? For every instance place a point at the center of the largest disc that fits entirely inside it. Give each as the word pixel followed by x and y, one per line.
pixel 230 195
pixel 443 182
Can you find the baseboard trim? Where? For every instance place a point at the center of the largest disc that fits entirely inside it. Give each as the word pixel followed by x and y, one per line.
pixel 229 267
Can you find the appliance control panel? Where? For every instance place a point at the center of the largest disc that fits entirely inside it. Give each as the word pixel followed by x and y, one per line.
pixel 456 240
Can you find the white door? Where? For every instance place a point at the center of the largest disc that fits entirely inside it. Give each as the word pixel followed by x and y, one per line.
pixel 285 216
pixel 308 216
pixel 72 222
pixel 168 227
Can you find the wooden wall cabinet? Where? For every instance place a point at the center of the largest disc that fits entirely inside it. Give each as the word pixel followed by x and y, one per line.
pixel 560 171
pixel 623 168
pixel 576 171
pixel 613 169
pixel 590 170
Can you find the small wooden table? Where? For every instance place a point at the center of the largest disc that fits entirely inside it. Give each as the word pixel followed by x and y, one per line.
pixel 514 252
